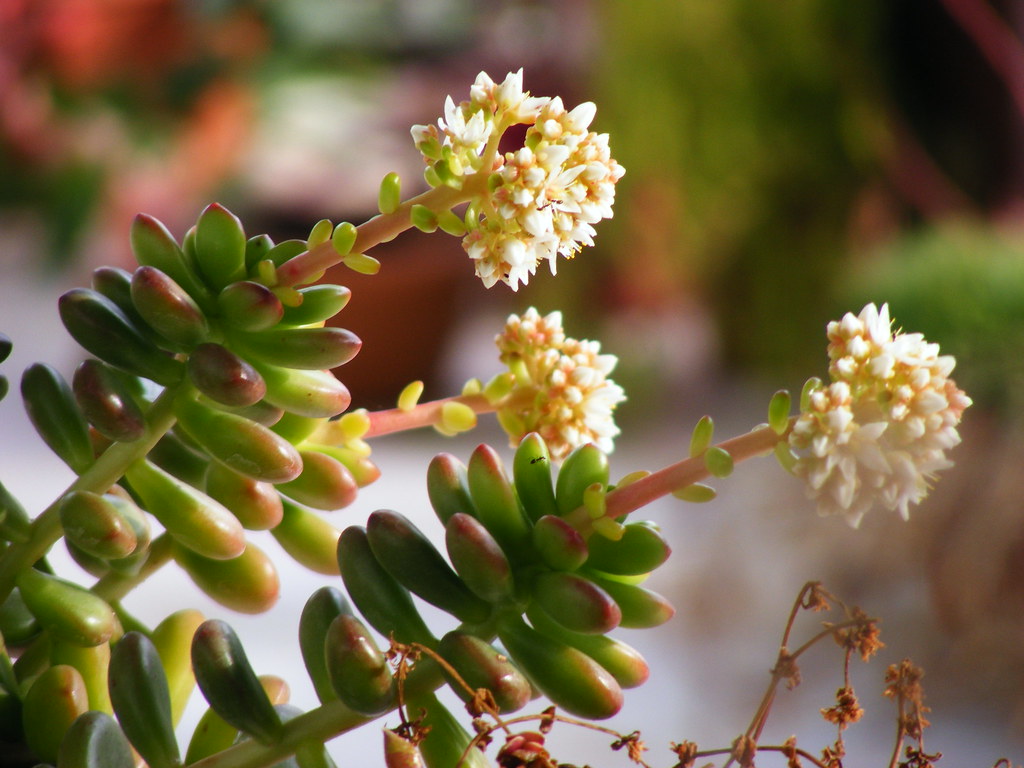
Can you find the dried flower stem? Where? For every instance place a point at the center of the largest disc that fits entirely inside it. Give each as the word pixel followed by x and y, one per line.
pixel 786 659
pixel 786 750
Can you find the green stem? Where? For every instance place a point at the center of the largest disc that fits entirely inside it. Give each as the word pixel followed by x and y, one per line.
pixel 318 725
pixel 379 229
pixel 109 467
pixel 114 586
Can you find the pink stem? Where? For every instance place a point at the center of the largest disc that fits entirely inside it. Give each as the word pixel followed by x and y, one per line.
pixel 632 497
pixel 422 415
pixel 379 229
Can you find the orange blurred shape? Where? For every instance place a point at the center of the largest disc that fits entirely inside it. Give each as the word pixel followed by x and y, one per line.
pixel 87 44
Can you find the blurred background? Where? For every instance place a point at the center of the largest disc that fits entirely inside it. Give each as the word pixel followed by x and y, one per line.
pixel 786 162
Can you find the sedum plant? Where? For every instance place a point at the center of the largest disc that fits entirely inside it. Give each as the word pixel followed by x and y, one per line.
pixel 207 407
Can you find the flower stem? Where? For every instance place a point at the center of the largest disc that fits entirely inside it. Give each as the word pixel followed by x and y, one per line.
pixel 421 415
pixel 379 229
pixel 691 470
pixel 109 467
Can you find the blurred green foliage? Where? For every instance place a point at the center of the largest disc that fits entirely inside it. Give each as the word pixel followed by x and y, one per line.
pixel 760 123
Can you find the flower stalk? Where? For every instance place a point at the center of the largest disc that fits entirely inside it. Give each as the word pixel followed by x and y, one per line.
pixel 674 477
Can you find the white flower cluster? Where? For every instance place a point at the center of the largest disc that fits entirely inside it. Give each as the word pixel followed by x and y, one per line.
pixel 880 430
pixel 560 389
pixel 454 146
pixel 543 199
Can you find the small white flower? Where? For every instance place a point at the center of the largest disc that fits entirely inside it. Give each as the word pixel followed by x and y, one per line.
pixel 561 389
pixel 879 431
pixel 546 195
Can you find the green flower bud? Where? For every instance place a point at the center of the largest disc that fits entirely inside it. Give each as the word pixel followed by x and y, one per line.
pixel 56 698
pixel 575 602
pixel 95 740
pixel 479 559
pixel 319 304
pixel 257 248
pixel 390 194
pixel 559 545
pixel 139 692
pixel 95 322
pixel 344 237
pixel 322 608
pixel 641 549
pixel 718 461
pixel 320 233
pixel 423 218
pixel 495 500
pixel 481 666
pixel 107 401
pixel 67 610
pixel 582 468
pixel 778 411
pixel 308 538
pixel 255 503
pixel 247 583
pixel 250 306
pixel 220 245
pixel 168 309
pixel 358 670
pixel 223 376
pixel 229 683
pixel 409 556
pixel 448 487
pixel 696 492
pixel 703 434
pixel 54 413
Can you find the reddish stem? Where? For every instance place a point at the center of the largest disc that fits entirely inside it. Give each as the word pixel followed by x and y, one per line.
pixel 691 470
pixel 379 229
pixel 422 415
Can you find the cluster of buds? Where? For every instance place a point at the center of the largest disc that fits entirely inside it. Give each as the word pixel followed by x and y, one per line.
pixel 879 431
pixel 541 200
pixel 560 385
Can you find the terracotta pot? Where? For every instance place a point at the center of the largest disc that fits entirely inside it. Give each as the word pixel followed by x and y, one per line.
pixel 403 314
